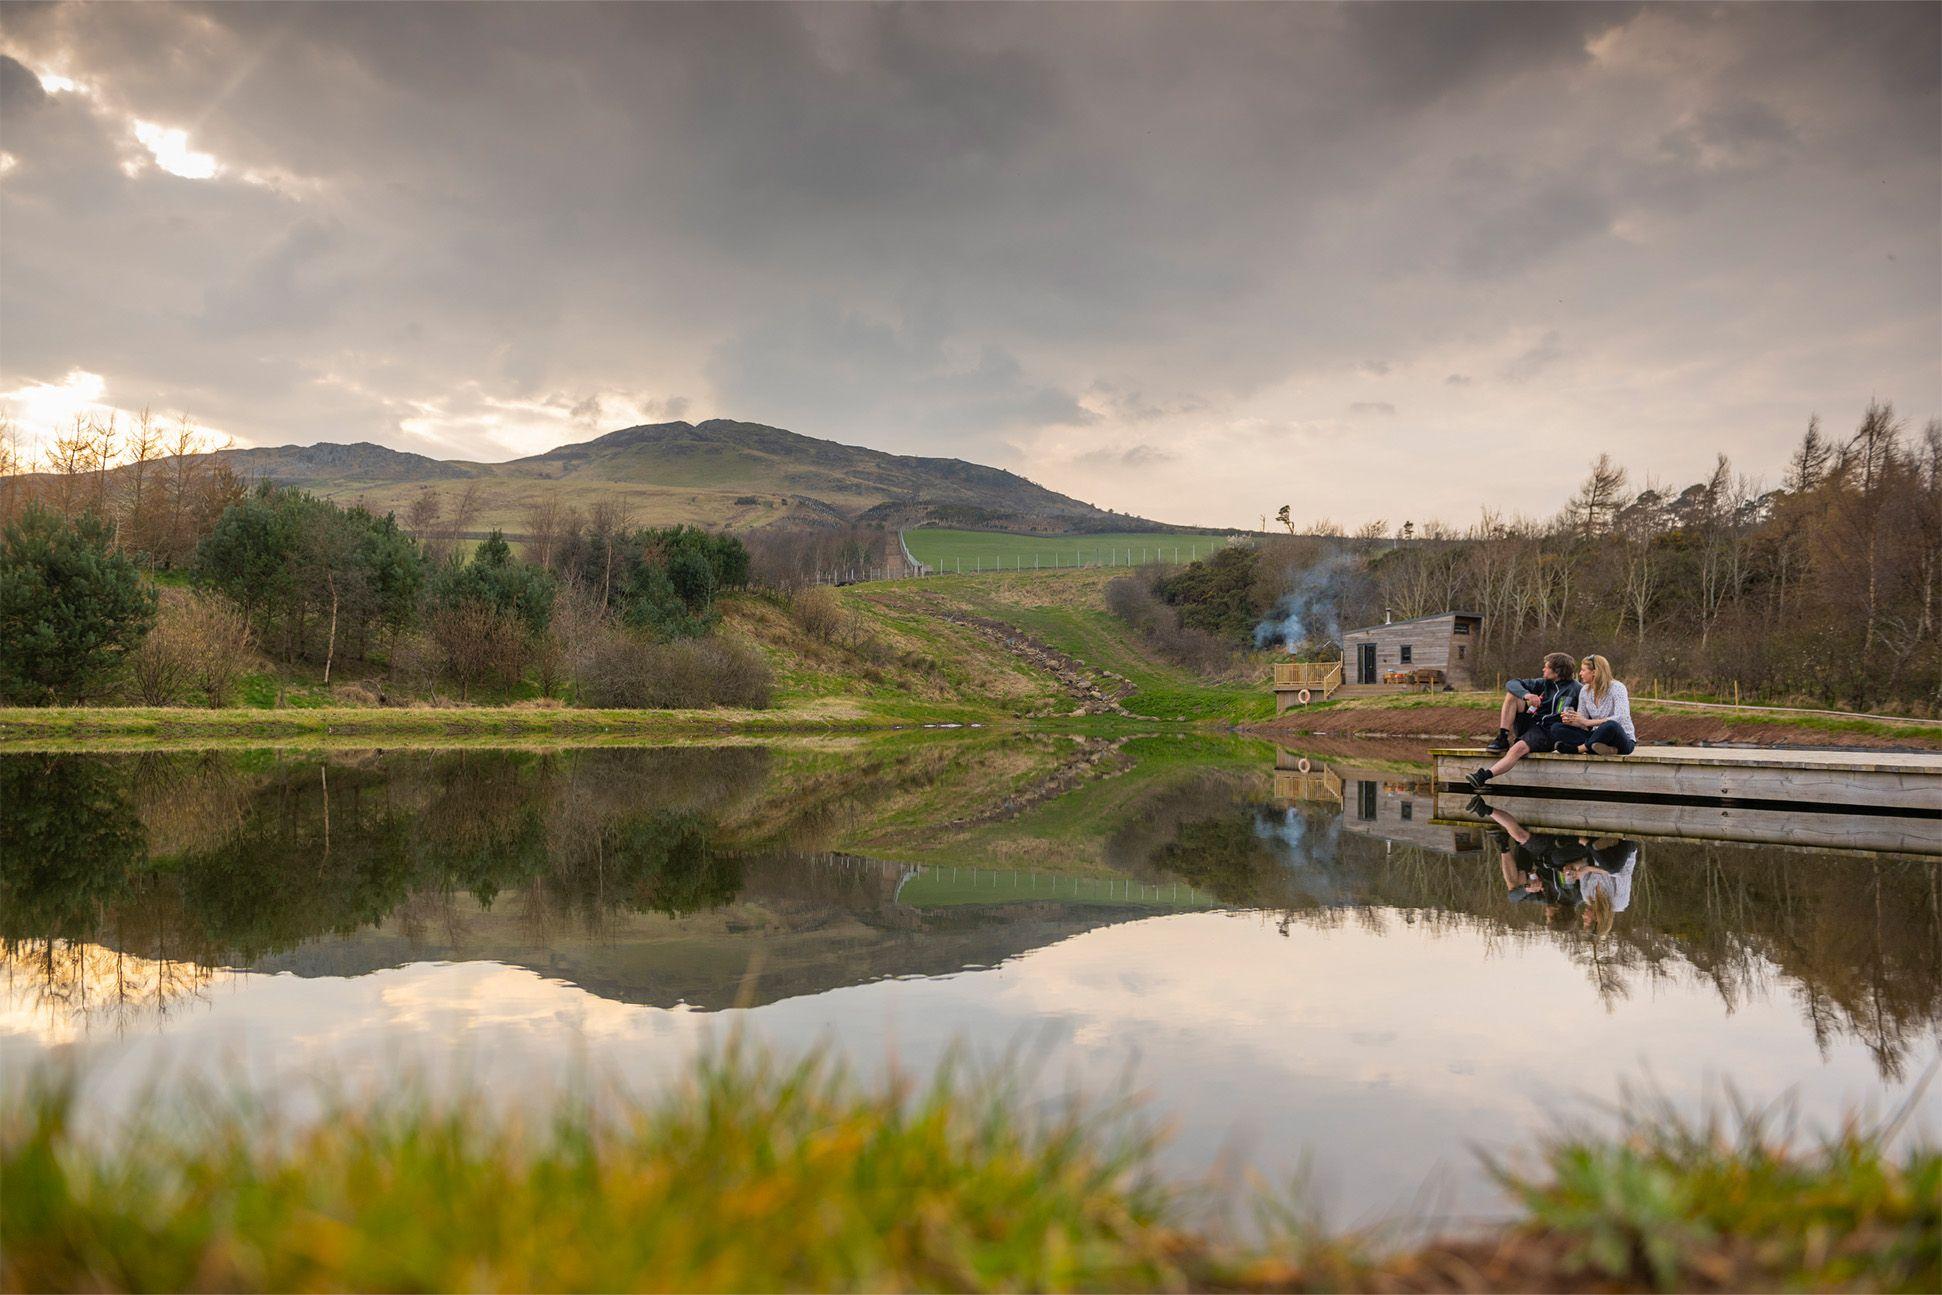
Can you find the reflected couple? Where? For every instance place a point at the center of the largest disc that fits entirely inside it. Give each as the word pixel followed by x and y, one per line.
pixel 1589 876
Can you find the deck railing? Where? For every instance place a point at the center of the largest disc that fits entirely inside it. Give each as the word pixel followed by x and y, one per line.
pixel 1320 676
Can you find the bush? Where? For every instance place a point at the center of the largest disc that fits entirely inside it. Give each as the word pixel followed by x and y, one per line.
pixel 480 644
pixel 626 671
pixel 1219 594
pixel 819 611
pixel 69 609
pixel 1134 601
pixel 415 665
pixel 200 647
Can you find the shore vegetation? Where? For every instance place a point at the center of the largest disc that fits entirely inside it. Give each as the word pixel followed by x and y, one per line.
pixel 759 1174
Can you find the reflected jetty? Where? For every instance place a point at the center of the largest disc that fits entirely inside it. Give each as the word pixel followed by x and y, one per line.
pixel 1843 800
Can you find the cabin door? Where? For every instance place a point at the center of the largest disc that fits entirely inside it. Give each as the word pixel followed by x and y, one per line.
pixel 1365 663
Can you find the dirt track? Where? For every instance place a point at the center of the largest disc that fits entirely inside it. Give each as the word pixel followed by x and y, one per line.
pixel 1462 722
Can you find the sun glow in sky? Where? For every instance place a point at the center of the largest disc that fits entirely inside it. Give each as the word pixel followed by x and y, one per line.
pixel 39 411
pixel 169 146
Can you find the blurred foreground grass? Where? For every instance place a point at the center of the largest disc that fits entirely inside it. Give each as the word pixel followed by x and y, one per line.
pixel 755 1175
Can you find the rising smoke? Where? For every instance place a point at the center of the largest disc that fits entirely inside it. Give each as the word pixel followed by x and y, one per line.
pixel 1306 613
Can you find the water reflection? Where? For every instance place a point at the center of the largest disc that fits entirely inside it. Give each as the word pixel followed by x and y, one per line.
pixel 716 877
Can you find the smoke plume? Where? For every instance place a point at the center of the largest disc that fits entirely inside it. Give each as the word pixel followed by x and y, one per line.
pixel 1306 613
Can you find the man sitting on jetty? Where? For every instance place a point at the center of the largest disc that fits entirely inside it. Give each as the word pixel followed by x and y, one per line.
pixel 1533 714
pixel 1529 702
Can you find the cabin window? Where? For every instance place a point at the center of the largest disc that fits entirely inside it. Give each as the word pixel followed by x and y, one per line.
pixel 1408 810
pixel 1463 627
pixel 1406 654
pixel 1460 648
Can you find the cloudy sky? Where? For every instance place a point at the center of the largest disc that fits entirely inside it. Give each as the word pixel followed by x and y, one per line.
pixel 1192 262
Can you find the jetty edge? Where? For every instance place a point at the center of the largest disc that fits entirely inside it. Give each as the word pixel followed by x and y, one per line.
pixel 1882 801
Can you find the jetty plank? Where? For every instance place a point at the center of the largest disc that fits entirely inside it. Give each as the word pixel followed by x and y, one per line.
pixel 1866 780
pixel 1823 830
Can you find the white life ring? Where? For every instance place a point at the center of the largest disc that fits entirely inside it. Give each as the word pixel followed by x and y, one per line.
pixel 1302 764
pixel 1302 697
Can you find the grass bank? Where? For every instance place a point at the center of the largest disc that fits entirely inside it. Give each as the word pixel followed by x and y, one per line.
pixel 757 1176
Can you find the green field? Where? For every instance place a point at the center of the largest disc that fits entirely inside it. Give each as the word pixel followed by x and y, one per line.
pixel 954 551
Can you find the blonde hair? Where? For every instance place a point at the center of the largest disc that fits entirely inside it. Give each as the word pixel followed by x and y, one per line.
pixel 1599 909
pixel 1601 677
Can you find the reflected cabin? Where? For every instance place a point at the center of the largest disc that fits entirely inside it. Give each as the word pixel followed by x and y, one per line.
pixel 1437 651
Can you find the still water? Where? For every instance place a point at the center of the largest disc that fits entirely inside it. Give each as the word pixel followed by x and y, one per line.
pixel 1290 963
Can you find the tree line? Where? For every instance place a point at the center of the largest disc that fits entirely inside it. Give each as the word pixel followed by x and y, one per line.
pixel 617 616
pixel 1826 588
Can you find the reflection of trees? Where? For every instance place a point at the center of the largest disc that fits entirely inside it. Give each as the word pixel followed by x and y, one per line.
pixel 266 854
pixel 664 861
pixel 67 844
pixel 1856 941
pixel 77 982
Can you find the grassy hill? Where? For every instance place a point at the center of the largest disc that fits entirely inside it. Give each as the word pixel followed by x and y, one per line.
pixel 957 551
pixel 927 649
pixel 718 473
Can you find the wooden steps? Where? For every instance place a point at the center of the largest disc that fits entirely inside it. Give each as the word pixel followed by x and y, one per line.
pixel 1829 799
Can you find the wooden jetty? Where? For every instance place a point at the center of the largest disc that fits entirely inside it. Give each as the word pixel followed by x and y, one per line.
pixel 1857 800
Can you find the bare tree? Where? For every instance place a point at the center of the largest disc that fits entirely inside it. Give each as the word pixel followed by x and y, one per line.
pixel 68 458
pixel 608 520
pixel 465 509
pixel 13 466
pixel 544 517
pixel 103 447
pixel 1873 451
pixel 421 516
pixel 144 448
pixel 1600 497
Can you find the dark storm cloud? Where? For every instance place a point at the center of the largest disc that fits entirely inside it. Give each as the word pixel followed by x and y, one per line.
pixel 1015 233
pixel 20 91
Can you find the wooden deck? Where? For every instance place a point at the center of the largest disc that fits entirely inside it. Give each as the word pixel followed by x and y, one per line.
pixel 1297 683
pixel 1827 799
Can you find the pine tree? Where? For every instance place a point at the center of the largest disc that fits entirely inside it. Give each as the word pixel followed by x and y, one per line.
pixel 69 609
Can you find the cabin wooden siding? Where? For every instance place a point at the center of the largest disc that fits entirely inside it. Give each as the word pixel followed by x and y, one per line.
pixel 1433 641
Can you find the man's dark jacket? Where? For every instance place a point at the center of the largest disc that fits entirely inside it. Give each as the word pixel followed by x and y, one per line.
pixel 1555 696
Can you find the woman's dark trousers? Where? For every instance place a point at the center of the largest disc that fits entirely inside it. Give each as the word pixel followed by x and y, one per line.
pixel 1609 734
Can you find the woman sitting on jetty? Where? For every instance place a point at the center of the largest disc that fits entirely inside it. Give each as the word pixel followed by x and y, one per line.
pixel 1601 721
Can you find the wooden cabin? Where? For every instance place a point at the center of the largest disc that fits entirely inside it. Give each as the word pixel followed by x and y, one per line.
pixel 1424 652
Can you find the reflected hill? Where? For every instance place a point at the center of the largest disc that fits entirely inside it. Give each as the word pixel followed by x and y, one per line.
pixel 800 924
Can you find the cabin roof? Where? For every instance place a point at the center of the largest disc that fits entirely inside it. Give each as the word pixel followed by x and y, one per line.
pixel 1435 616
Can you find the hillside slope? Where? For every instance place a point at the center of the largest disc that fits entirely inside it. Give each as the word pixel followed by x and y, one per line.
pixel 717 472
pixel 1034 645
